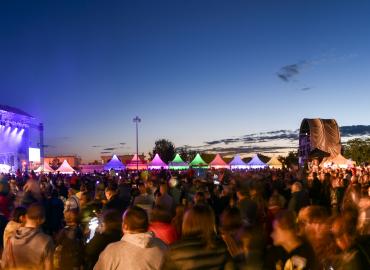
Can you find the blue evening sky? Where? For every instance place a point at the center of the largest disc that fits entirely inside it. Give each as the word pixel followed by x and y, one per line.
pixel 193 70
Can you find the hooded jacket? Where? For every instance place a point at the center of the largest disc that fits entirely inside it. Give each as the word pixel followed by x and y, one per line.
pixel 139 251
pixel 29 248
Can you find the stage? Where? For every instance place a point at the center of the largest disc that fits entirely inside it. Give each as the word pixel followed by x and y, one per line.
pixel 21 140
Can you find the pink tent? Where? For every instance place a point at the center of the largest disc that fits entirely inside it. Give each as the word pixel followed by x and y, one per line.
pixel 157 163
pixel 136 163
pixel 218 163
pixel 65 168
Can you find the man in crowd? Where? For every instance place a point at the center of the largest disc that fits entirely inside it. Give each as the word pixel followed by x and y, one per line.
pixel 297 254
pixel 30 248
pixel 138 248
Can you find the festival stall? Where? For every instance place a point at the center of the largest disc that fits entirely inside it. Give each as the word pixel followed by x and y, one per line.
pixel 256 163
pixel 178 164
pixel 338 161
pixel 238 164
pixel 218 163
pixel 65 168
pixel 46 169
pixel 136 164
pixel 157 163
pixel 91 168
pixel 198 162
pixel 114 164
pixel 274 163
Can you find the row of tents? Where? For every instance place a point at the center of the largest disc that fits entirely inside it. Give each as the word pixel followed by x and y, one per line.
pixel 179 164
pixel 176 164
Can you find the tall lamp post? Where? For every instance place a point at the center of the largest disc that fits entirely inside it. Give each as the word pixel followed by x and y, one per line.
pixel 137 120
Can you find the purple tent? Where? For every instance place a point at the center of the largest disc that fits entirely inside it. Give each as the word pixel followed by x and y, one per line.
pixel 157 163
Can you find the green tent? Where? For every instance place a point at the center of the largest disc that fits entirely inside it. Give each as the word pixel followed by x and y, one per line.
pixel 178 164
pixel 198 162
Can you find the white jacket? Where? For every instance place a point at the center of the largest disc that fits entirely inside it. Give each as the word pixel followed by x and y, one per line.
pixel 140 251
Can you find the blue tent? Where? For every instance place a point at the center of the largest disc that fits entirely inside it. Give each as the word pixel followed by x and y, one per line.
pixel 256 163
pixel 237 163
pixel 114 164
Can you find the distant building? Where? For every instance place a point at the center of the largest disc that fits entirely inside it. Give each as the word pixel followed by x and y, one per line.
pixel 56 161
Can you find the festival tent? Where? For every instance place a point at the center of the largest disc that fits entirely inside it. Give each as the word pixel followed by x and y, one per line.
pixel 46 169
pixel 157 163
pixel 178 164
pixel 136 163
pixel 338 161
pixel 65 168
pixel 4 168
pixel 256 163
pixel 238 164
pixel 198 162
pixel 274 163
pixel 218 163
pixel 114 164
pixel 91 168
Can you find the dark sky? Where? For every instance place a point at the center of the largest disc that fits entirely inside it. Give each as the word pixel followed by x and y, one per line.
pixel 194 71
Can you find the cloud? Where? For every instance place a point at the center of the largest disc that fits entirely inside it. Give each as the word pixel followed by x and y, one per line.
pixel 96 146
pixel 110 148
pixel 355 130
pixel 306 88
pixel 288 72
pixel 122 143
pixel 105 152
pixel 274 141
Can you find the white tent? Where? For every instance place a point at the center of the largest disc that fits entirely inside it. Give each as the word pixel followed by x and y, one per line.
pixel 65 168
pixel 274 163
pixel 338 161
pixel 46 169
pixel 256 163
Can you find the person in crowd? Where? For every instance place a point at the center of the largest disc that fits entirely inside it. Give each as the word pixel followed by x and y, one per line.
pixel 314 225
pixel 355 253
pixel 315 189
pixel 54 208
pixel 299 198
pixel 110 232
pixel 164 200
pixel 73 202
pixel 18 219
pixel 178 219
pixel 160 225
pixel 231 226
pixel 199 247
pixel 297 253
pixel 30 248
pixel 137 250
pixel 69 243
pixel 114 202
pixel 144 199
pixel 248 208
pixel 253 242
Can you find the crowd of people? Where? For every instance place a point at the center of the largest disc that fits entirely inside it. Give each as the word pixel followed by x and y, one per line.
pixel 260 219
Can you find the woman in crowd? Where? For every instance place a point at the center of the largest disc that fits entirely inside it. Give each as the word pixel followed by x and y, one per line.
pixel 199 247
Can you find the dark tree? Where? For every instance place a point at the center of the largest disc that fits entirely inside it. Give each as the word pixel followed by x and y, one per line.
pixel 358 150
pixel 165 149
pixel 186 155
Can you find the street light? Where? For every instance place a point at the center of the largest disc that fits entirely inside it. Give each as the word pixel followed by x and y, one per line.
pixel 136 121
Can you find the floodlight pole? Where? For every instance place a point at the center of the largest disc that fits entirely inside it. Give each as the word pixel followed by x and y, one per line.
pixel 136 121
